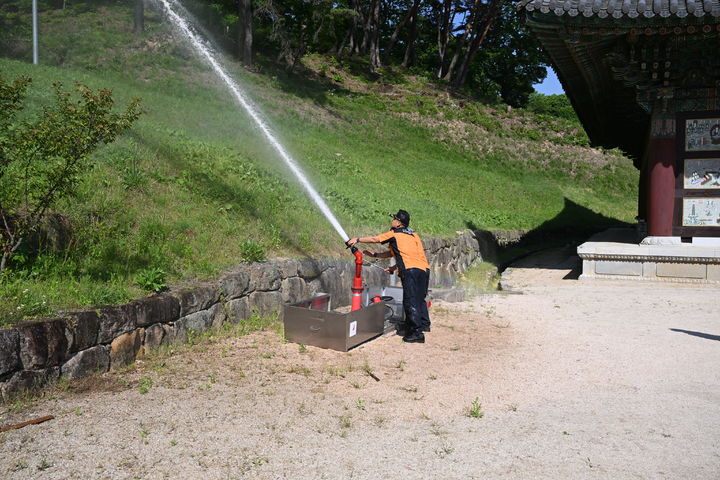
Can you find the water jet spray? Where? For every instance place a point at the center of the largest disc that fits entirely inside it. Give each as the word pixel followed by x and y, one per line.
pixel 204 49
pixel 206 52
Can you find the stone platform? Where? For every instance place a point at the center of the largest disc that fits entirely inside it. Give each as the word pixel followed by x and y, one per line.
pixel 616 254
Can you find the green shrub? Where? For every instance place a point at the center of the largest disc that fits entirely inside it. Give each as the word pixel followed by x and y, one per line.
pixel 44 160
pixel 252 252
pixel 151 280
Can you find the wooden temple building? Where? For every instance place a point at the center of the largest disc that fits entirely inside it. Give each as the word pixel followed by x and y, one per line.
pixel 644 76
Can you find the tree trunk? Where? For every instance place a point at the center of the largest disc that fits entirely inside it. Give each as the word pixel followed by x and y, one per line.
pixel 377 34
pixel 354 44
pixel 371 29
pixel 375 37
pixel 8 252
pixel 299 53
pixel 340 47
pixel 245 31
pixel 411 13
pixel 316 35
pixel 477 41
pixel 445 21
pixel 11 242
pixel 461 45
pixel 461 75
pixel 138 17
pixel 367 28
pixel 409 57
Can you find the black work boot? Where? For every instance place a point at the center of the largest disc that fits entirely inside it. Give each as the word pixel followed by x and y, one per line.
pixel 414 337
pixel 403 329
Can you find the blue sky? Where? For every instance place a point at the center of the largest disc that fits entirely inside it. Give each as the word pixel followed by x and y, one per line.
pixel 551 84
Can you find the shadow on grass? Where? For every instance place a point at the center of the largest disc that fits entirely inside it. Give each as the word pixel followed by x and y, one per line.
pixel 214 188
pixel 569 228
pixel 210 187
pixel 304 83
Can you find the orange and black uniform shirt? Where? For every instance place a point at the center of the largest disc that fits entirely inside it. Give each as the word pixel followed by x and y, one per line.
pixel 406 247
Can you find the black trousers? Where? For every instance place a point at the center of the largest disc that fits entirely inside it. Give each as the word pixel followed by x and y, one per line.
pixel 415 287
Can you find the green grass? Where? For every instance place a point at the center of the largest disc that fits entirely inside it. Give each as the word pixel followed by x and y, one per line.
pixel 145 384
pixel 193 188
pixel 475 409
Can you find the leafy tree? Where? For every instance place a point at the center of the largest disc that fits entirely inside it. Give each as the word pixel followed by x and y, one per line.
pixel 555 105
pixel 479 19
pixel 510 62
pixel 45 159
pixel 478 44
pixel 298 27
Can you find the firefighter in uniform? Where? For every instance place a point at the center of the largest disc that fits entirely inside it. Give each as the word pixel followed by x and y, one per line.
pixel 405 245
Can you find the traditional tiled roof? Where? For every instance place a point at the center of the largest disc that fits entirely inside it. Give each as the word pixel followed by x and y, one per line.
pixel 625 8
pixel 615 57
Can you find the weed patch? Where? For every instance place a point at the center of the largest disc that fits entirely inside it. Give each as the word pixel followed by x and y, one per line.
pixel 482 277
pixel 475 409
pixel 144 385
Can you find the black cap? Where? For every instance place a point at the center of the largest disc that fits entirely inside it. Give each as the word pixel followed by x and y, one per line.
pixel 402 216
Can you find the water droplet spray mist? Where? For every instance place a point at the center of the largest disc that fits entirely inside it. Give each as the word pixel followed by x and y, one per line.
pixel 206 52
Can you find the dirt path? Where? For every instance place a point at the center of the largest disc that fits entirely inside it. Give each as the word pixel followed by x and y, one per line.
pixel 576 380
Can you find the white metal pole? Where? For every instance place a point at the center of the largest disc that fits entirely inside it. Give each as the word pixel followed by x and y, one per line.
pixel 35 32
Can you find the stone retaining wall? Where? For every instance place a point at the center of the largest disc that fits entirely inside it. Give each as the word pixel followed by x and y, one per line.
pixel 79 344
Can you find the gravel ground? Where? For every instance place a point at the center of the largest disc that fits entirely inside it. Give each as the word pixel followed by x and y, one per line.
pixel 569 380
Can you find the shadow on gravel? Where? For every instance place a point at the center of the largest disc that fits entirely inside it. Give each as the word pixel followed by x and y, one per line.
pixel 697 334
pixel 553 245
pixel 576 271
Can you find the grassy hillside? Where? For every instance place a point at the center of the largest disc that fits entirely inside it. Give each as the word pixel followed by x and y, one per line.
pixel 194 189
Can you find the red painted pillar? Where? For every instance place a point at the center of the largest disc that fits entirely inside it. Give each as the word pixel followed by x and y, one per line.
pixel 661 186
pixel 660 171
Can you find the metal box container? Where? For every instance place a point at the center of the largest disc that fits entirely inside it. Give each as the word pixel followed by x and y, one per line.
pixel 310 322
